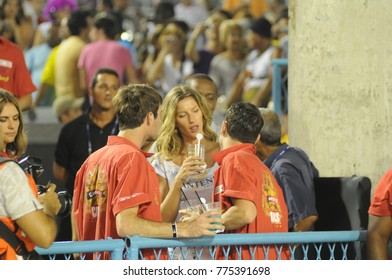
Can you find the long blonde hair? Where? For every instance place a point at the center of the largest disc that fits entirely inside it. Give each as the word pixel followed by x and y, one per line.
pixel 18 147
pixel 170 142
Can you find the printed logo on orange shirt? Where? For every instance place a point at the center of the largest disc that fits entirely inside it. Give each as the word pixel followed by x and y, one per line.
pixel 270 201
pixel 4 79
pixel 95 192
pixel 219 189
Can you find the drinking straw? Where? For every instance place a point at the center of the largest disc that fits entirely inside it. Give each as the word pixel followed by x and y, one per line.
pixel 199 136
pixel 201 202
pixel 186 199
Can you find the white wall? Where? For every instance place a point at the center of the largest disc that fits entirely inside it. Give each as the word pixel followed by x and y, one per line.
pixel 340 85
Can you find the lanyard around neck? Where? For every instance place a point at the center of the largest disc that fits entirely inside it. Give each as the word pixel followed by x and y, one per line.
pixel 89 138
pixel 280 155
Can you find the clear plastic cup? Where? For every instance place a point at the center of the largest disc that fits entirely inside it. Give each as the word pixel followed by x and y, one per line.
pixel 213 206
pixel 197 150
pixel 189 208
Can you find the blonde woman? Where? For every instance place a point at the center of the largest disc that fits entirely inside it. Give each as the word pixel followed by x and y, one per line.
pixel 184 115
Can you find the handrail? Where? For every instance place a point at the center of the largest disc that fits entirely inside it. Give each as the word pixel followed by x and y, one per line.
pixel 133 244
pixel 138 242
pixel 251 238
pixel 114 246
pixel 277 65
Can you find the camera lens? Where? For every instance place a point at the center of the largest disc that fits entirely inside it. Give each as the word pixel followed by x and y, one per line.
pixel 66 203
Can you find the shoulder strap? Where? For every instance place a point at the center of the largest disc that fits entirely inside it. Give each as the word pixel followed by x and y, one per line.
pixel 4 159
pixel 12 240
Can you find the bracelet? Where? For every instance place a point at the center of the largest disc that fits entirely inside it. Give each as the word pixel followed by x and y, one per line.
pixel 174 229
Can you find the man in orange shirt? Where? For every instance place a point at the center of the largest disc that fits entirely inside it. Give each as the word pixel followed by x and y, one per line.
pixel 380 220
pixel 250 197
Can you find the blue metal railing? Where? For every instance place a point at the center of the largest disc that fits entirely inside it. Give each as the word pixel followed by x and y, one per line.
pixel 278 88
pixel 292 239
pixel 336 243
pixel 114 246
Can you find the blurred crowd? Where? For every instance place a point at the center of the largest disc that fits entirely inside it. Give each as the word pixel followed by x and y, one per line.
pixel 161 43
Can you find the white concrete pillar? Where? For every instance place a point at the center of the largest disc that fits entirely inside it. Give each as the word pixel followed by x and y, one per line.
pixel 340 85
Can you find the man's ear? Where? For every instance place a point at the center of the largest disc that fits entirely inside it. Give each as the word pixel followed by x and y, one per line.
pixel 224 128
pixel 150 118
pixel 257 139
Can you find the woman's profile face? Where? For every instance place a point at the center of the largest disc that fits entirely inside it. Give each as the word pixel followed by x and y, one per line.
pixel 9 122
pixel 189 118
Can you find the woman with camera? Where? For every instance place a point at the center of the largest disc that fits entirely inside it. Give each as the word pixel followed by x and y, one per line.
pixel 24 216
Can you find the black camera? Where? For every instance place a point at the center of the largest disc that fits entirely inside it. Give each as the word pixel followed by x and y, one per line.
pixel 34 167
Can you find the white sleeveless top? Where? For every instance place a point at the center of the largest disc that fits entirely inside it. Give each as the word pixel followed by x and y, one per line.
pixel 202 188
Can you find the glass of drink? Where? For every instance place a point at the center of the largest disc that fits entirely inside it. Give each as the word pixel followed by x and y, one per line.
pixel 197 150
pixel 213 206
pixel 189 208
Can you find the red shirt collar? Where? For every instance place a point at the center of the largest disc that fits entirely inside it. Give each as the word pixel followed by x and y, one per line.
pixel 246 147
pixel 115 140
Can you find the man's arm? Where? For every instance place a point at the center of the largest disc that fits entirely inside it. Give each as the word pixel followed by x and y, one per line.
pixel 83 83
pixel 128 224
pixel 155 72
pixel 42 91
pixel 379 232
pixel 25 102
pixel 190 47
pixel 305 224
pixel 241 213
pixel 131 75
pixel 237 89
pixel 263 95
pixel 299 195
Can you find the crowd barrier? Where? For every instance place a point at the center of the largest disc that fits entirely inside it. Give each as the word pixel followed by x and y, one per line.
pixel 329 245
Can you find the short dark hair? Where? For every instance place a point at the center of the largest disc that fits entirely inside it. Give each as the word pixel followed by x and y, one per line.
pixel 200 76
pixel 103 71
pixel 164 12
pixel 107 23
pixel 244 122
pixel 133 102
pixel 77 21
